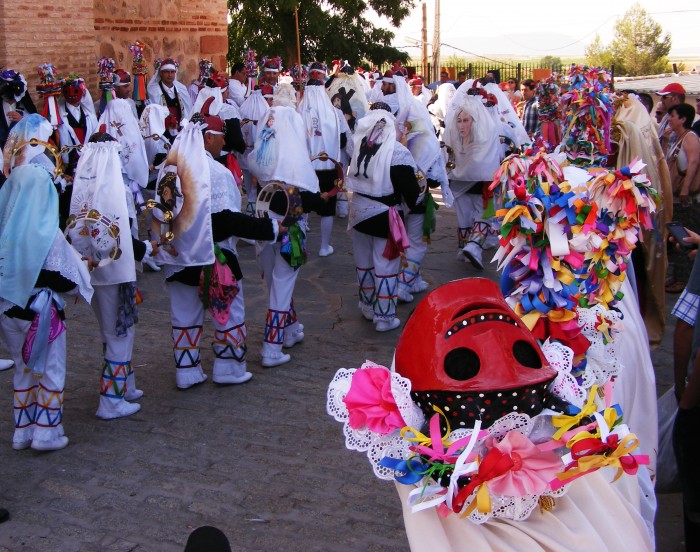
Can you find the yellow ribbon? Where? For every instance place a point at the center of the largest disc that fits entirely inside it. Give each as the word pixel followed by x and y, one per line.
pixel 422 439
pixel 597 461
pixel 481 503
pixel 565 423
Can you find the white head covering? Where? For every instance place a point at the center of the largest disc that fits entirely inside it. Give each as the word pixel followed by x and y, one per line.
pixel 152 123
pixel 358 100
pixel 322 125
pixel 121 124
pixel 284 95
pixel 479 159
pixel 204 94
pixel 445 94
pixel 98 184
pixel 31 126
pixel 253 108
pixel 377 127
pixel 280 151
pixel 507 114
pixel 194 240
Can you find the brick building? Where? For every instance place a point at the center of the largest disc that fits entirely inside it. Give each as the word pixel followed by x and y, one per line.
pixel 74 34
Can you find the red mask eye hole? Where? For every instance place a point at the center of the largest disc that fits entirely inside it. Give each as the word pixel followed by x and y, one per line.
pixel 462 364
pixel 526 354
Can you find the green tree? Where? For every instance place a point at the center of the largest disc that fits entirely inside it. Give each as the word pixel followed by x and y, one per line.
pixel 598 55
pixel 550 61
pixel 639 48
pixel 333 29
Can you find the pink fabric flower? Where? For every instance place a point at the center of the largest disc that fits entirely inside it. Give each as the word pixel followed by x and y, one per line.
pixel 532 471
pixel 370 402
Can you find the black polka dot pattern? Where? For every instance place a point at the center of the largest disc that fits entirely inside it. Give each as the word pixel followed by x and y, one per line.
pixel 462 409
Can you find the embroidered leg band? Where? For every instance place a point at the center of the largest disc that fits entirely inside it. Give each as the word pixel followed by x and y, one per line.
pixel 230 343
pixel 186 346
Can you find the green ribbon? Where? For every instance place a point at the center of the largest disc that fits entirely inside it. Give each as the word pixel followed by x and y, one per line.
pixel 490 210
pixel 430 220
pixel 295 241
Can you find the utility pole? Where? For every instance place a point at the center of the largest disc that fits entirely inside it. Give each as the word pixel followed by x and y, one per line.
pixel 424 43
pixel 436 44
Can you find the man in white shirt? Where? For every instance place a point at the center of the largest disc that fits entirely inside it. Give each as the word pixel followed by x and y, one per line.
pixel 237 83
pixel 165 89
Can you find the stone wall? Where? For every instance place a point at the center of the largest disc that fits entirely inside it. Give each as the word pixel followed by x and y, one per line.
pixel 74 34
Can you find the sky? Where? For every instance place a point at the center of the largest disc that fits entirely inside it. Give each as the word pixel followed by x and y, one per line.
pixel 544 27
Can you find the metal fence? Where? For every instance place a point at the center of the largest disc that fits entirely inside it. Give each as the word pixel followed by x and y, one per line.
pixel 502 71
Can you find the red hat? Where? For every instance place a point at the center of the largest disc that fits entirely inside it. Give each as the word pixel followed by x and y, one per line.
pixel 220 79
pixel 468 353
pixel 416 82
pixel 215 124
pixel 672 88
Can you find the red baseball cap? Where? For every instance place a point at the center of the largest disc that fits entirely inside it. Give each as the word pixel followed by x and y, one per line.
pixel 672 88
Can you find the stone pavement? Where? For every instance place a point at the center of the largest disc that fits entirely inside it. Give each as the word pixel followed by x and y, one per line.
pixel 262 461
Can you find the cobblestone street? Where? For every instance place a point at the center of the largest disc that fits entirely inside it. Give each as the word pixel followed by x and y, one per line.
pixel 261 461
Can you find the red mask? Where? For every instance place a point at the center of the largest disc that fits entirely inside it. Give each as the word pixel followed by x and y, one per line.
pixel 465 351
pixel 73 93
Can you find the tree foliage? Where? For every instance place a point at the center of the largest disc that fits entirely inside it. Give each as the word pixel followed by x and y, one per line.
pixel 550 61
pixel 638 47
pixel 332 29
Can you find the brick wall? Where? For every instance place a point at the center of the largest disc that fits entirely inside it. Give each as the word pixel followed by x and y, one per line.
pixel 76 33
pixel 34 33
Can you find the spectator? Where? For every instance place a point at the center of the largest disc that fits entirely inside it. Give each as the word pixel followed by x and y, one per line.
pixel 685 445
pixel 530 114
pixel 461 77
pixel 683 158
pixel 513 92
pixel 672 94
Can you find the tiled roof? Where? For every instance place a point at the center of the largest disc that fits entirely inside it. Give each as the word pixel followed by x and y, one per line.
pixel 654 83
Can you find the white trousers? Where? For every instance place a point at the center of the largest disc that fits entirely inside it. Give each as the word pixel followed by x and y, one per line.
pixel 187 319
pixel 281 316
pixel 377 276
pixel 414 255
pixel 38 402
pixel 117 349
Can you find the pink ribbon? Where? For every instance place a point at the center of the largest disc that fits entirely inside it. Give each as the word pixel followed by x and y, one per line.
pixel 397 241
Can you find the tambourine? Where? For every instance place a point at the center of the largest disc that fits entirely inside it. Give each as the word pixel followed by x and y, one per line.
pixel 53 150
pixel 94 236
pixel 340 181
pixel 294 210
pixel 450 165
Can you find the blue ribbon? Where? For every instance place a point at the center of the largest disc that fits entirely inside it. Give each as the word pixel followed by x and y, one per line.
pixel 413 469
pixel 42 306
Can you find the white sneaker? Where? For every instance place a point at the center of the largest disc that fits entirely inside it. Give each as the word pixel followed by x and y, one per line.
pixel 230 379
pixel 6 364
pixel 384 325
pixel 54 444
pixel 270 361
pixel 367 311
pixel 403 295
pixel 150 263
pixel 21 445
pixel 110 409
pixel 419 287
pixel 291 339
pixel 189 377
pixel 473 252
pixel 326 251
